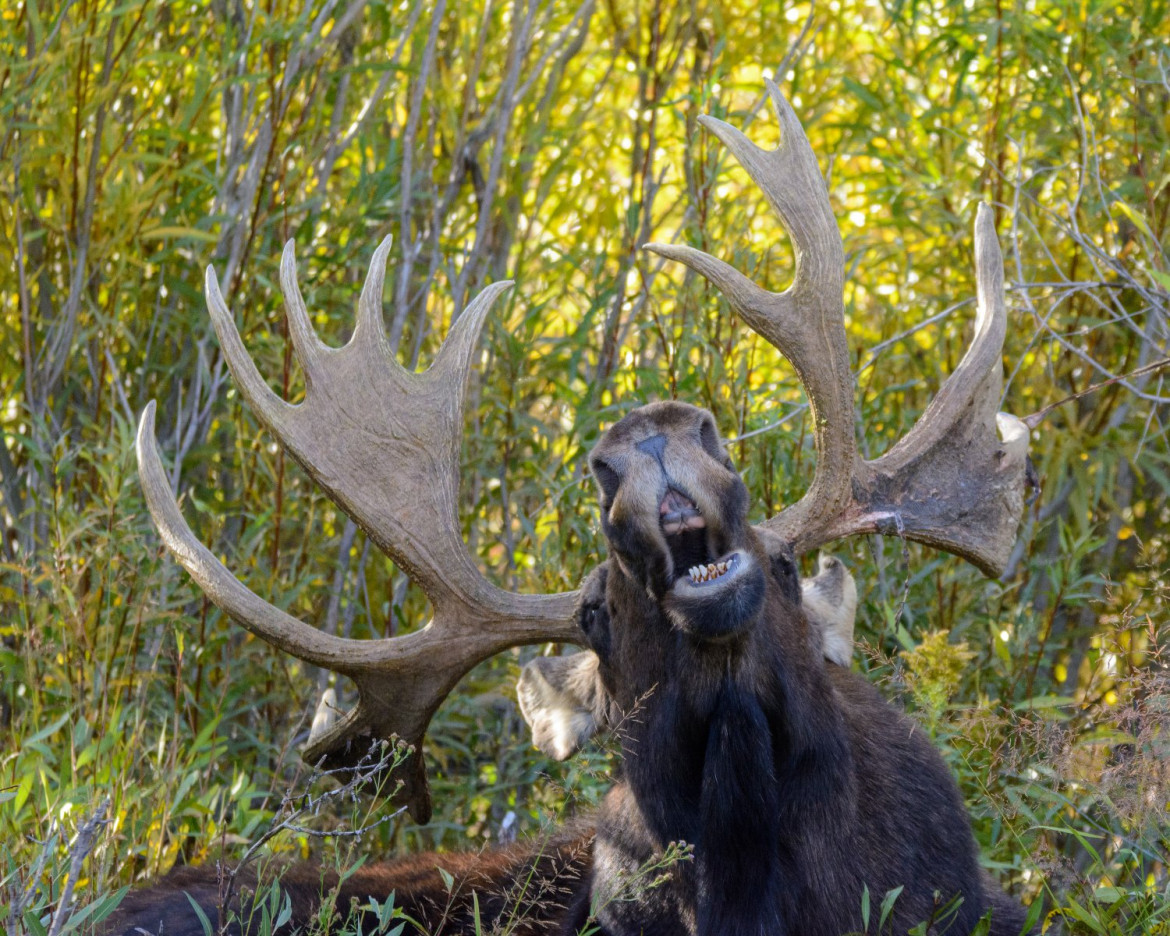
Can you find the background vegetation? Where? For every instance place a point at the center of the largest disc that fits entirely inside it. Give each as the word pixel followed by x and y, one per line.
pixel 544 142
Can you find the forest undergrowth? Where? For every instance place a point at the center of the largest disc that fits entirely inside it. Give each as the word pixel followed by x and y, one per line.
pixel 545 143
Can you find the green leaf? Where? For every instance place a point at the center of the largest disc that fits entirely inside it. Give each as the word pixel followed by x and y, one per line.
pixel 178 232
pixel 203 921
pixel 1079 913
pixel 1162 279
pixel 1044 702
pixel 285 911
pixel 888 905
pixel 34 924
pixel 98 910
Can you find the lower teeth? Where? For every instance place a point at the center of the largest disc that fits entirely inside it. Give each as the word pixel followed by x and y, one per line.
pixel 709 572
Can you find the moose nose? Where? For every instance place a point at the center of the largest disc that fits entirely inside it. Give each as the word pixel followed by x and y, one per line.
pixel 655 446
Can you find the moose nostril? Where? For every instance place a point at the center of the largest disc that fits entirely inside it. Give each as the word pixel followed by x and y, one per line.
pixel 655 446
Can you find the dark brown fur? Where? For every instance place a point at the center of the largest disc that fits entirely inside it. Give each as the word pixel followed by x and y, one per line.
pixel 796 784
pixel 526 889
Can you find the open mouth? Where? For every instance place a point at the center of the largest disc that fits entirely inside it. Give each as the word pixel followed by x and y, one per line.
pixel 713 593
pixel 688 539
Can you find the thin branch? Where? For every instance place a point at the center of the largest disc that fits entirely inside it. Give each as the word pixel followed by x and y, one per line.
pixel 787 418
pixel 79 850
pixel 507 107
pixel 379 763
pixel 55 354
pixel 406 241
pixel 877 349
pixel 1034 419
pixel 581 16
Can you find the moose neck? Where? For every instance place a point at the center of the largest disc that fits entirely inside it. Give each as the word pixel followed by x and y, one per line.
pixel 760 708
pixel 730 747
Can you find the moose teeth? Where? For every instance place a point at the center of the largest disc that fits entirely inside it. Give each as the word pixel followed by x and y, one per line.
pixel 708 572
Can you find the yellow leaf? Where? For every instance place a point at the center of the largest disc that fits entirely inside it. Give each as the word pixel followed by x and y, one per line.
pixel 1138 219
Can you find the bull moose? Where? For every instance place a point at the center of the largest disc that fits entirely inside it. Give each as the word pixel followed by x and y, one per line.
pixel 795 787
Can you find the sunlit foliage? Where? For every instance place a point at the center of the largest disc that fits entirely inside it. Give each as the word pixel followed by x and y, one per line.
pixel 544 143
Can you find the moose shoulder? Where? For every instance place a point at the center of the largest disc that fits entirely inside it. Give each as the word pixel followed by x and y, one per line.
pixel 795 785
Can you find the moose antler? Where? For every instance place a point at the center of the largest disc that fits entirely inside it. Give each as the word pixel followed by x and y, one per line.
pixel 952 482
pixel 384 444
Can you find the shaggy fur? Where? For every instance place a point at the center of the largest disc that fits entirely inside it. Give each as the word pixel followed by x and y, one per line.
pixel 527 889
pixel 795 784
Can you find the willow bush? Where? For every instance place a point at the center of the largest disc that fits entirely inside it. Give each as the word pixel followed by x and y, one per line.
pixel 545 143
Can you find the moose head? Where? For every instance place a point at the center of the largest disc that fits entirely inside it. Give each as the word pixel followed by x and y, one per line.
pixel 796 784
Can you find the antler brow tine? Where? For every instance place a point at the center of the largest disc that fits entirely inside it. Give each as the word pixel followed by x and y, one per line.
pixel 224 589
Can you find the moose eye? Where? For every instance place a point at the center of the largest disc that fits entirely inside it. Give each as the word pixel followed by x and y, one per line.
pixel 606 477
pixel 709 437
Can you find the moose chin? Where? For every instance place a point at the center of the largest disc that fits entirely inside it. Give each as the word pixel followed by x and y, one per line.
pixel 765 785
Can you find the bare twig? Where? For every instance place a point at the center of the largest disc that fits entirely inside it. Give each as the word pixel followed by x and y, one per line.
pixel 406 185
pixel 338 146
pixel 21 899
pixel 796 410
pixel 55 354
pixel 378 764
pixel 876 351
pixel 507 103
pixel 1034 419
pixel 79 850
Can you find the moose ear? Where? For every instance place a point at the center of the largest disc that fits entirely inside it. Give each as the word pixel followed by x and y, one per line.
pixel 830 604
pixel 562 700
pixel 592 611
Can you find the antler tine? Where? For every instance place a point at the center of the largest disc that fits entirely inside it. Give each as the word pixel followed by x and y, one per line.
pixel 453 361
pixel 978 379
pixel 956 480
pixel 806 321
pixel 371 327
pixel 791 180
pixel 306 345
pixel 384 444
pixel 224 589
pixel 270 409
